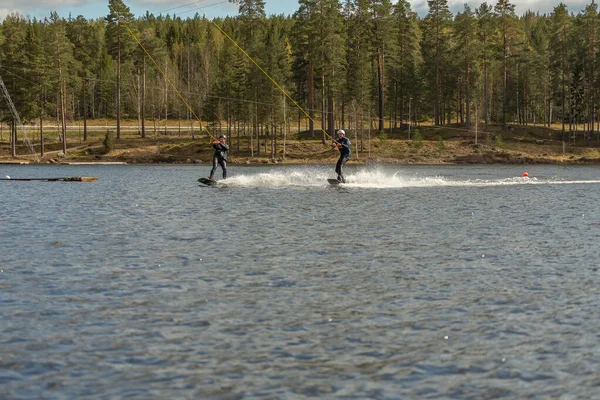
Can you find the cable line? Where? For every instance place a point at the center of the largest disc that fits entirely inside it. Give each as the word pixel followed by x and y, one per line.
pixel 190 4
pixel 263 71
pixel 166 77
pixel 17 122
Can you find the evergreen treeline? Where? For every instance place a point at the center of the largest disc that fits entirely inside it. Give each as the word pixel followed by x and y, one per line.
pixel 347 63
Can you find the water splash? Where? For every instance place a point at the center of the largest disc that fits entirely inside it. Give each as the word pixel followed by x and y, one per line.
pixel 307 176
pixel 316 176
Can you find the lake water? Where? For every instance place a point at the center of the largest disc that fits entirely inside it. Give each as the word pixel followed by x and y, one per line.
pixel 417 282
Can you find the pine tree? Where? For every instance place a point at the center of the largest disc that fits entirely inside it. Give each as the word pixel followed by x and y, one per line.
pixel 36 72
pixel 61 50
pixel 560 29
pixel 466 41
pixel 405 68
pixel 358 60
pixel 383 30
pixel 148 42
pixel 485 32
pixel 305 57
pixel 277 65
pixel 252 10
pixel 505 12
pixel 277 58
pixel 589 34
pixel 86 50
pixel 13 58
pixel 436 33
pixel 536 75
pixel 252 36
pixel 119 43
pixel 332 66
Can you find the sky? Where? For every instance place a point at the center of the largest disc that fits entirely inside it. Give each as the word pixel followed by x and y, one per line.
pixel 218 8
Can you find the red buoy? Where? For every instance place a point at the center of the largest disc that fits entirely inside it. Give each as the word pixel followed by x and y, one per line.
pixel 525 174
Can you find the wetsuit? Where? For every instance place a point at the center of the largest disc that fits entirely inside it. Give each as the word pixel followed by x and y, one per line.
pixel 220 158
pixel 344 157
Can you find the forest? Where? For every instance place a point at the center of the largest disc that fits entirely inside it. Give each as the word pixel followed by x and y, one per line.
pixel 331 64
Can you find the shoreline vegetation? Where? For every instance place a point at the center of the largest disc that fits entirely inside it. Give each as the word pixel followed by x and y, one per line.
pixel 178 144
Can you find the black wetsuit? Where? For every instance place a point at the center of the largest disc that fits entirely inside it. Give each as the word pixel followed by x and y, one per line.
pixel 344 157
pixel 220 158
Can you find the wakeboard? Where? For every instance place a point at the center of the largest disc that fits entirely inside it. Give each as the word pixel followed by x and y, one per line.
pixel 333 181
pixel 207 182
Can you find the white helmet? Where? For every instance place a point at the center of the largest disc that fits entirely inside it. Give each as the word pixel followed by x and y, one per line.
pixel 341 131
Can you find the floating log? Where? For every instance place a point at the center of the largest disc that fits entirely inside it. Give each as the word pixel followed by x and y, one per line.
pixel 62 179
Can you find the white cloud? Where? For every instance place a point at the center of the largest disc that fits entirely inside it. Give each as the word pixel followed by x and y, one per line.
pixel 37 8
pixel 547 6
pixel 521 6
pixel 29 4
pixel 7 11
pixel 99 8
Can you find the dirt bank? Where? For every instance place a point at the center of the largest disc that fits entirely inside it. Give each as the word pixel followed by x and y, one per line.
pixel 448 145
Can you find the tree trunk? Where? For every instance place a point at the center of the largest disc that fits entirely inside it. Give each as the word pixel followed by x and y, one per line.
pixel 519 120
pixel 273 141
pixel 284 127
pixel 323 106
pixel 550 113
pixel 143 99
pixel 267 134
pixel 84 99
pixel 460 119
pixel 545 108
pixel 63 116
pixel 468 96
pixel 436 107
pixel 166 97
pixel 119 81
pixel 504 84
pixel 563 105
pixel 41 136
pixel 381 82
pixel 485 94
pixel 311 99
pixel 330 119
pixel 256 123
pixel 62 103
pixel 13 138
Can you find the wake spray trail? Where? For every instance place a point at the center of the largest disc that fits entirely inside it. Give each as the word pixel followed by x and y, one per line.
pixel 366 178
pixel 294 177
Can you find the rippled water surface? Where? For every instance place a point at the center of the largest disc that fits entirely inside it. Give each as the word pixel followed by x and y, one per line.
pixel 409 282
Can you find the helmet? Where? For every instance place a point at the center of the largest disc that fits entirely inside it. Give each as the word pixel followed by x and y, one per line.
pixel 341 131
pixel 222 137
